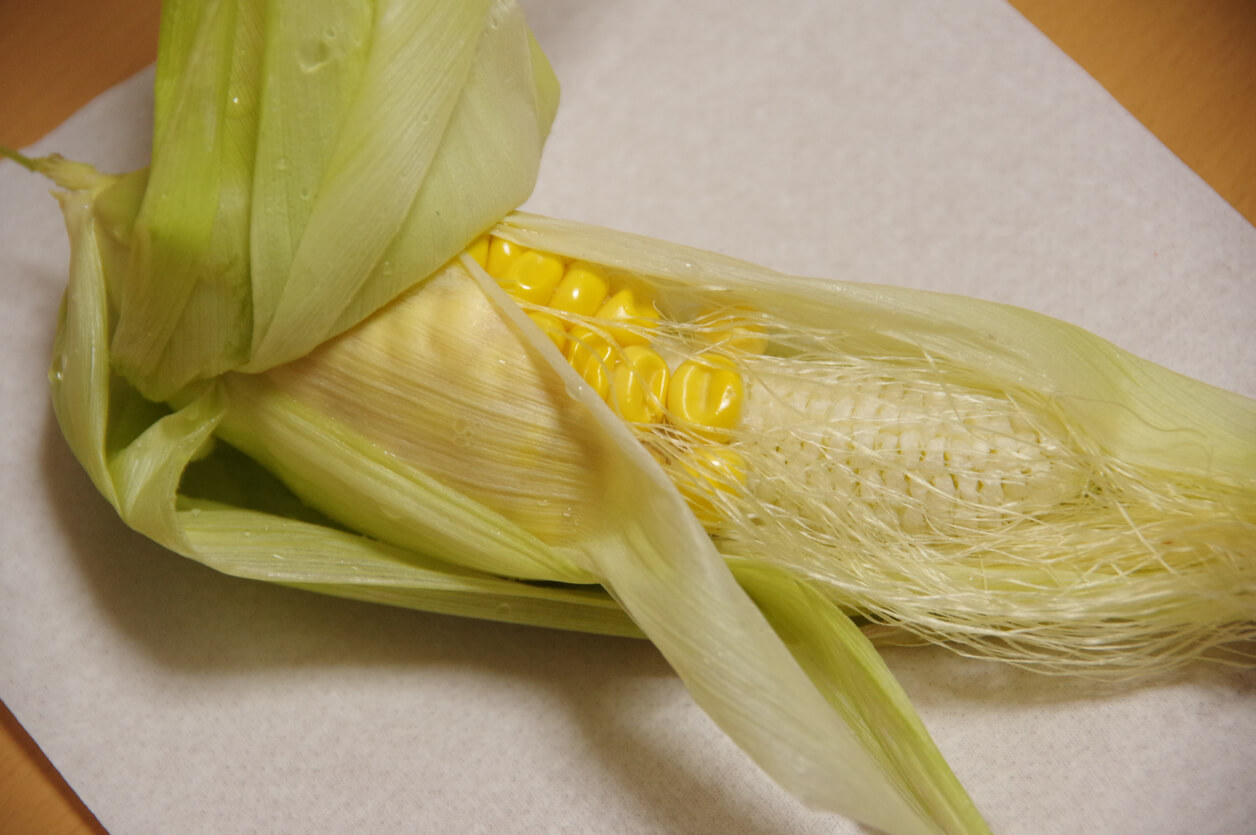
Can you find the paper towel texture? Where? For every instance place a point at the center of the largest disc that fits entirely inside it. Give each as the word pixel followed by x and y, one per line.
pixel 949 147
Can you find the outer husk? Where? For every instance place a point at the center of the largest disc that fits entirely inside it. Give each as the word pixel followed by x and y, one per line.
pixel 308 163
pixel 278 215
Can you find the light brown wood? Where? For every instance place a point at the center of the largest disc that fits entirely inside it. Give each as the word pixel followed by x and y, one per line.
pixel 34 799
pixel 57 55
pixel 1185 68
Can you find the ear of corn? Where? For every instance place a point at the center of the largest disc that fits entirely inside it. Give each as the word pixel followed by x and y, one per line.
pixel 273 359
pixel 626 529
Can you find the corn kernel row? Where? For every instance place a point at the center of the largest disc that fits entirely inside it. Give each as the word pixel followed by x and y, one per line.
pixel 604 333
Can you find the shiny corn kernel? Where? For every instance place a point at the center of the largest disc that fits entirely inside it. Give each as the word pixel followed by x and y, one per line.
pixel 501 254
pixel 582 290
pixel 706 395
pixel 479 250
pixel 626 308
pixel 639 385
pixel 551 326
pixel 710 474
pixel 533 276
pixel 592 356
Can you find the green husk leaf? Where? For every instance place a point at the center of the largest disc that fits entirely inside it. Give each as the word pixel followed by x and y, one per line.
pixel 313 70
pixel 442 138
pixel 80 372
pixel 309 165
pixel 183 306
pixel 412 79
pixel 259 546
pixel 856 681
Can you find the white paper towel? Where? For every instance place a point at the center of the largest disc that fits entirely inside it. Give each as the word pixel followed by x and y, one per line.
pixel 947 146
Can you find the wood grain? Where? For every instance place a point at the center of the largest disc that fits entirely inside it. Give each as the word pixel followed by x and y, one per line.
pixel 1185 68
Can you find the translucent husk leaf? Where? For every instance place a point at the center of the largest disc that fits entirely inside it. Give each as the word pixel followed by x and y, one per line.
pixel 183 302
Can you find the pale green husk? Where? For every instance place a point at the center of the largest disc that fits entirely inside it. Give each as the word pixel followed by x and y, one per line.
pixel 308 163
pixel 272 360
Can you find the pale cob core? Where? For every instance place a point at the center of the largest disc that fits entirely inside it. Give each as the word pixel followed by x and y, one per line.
pixel 914 454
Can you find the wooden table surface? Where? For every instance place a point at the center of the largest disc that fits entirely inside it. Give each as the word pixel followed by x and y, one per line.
pixel 1186 69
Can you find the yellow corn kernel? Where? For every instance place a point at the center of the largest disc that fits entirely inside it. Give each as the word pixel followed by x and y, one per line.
pixel 551 326
pixel 592 356
pixel 479 250
pixel 501 254
pixel 533 276
pixel 710 473
pixel 582 290
pixel 734 331
pixel 639 385
pixel 624 307
pixel 706 396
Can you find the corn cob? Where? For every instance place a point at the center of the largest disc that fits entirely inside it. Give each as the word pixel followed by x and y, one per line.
pixel 937 503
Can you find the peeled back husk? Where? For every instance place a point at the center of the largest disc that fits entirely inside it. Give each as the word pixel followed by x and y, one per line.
pixel 272 359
